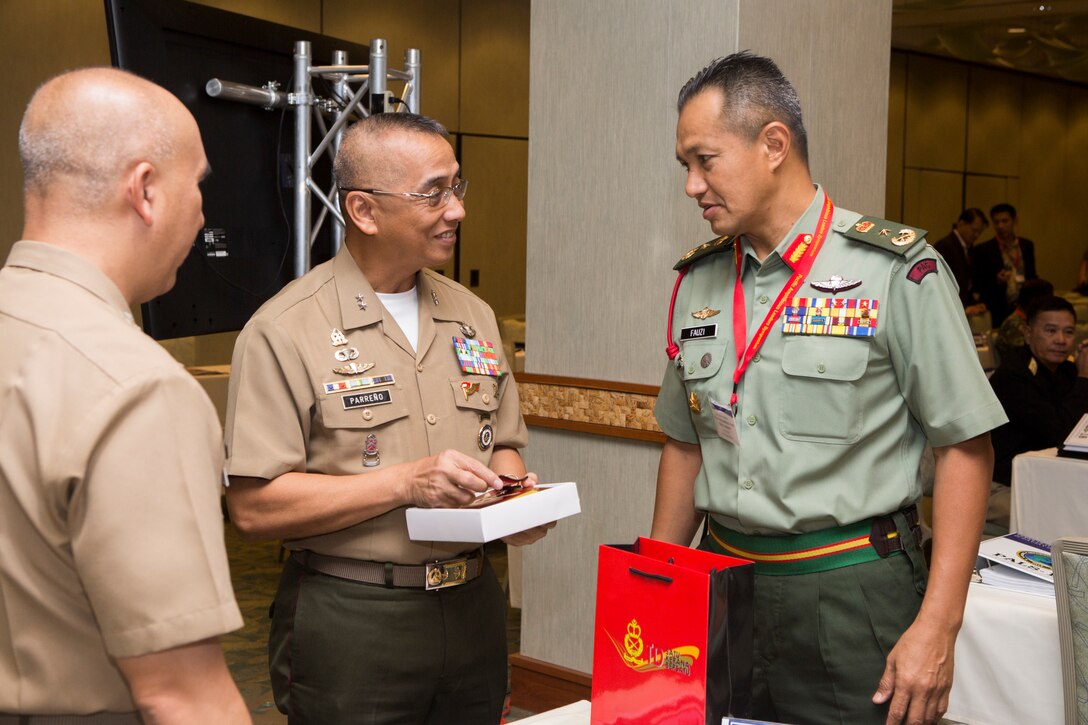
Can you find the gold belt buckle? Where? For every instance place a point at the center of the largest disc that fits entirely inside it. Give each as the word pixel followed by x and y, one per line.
pixel 442 574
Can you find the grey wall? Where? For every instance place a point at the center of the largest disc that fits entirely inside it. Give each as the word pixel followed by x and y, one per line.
pixel 608 218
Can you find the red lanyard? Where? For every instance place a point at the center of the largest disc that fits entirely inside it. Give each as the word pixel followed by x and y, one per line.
pixel 800 256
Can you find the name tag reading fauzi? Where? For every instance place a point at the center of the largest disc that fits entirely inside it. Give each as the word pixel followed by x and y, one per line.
pixel 342 386
pixel 700 332
pixel 844 317
pixel 364 400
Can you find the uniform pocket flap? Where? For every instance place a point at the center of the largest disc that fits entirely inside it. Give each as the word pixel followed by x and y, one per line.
pixel 363 408
pixel 702 359
pixel 825 357
pixel 476 392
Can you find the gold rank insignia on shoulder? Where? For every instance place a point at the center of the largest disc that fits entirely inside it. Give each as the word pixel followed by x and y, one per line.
pixel 704 313
pixel 693 403
pixel 904 237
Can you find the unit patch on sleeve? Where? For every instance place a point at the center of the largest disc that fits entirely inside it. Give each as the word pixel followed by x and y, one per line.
pixel 921 270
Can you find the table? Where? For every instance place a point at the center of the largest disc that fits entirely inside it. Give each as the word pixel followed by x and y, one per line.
pixel 1049 496
pixel 1008 663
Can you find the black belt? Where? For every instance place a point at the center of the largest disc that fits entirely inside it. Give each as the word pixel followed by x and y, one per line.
pixel 435 575
pixel 98 718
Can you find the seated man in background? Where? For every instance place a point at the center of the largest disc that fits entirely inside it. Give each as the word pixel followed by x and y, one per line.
pixel 114 585
pixel 1010 335
pixel 1044 391
pixel 955 247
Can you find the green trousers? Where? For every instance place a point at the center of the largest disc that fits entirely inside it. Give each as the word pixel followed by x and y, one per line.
pixel 821 640
pixel 345 652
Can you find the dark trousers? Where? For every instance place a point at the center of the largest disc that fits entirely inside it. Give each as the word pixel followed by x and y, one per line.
pixel 345 652
pixel 821 640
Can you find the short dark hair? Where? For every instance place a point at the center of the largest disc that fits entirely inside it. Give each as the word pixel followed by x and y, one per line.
pixel 754 93
pixel 349 164
pixel 1005 207
pixel 1050 303
pixel 970 215
pixel 1033 289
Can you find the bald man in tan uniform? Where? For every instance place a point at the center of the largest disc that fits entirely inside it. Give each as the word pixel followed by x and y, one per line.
pixel 113 580
pixel 348 404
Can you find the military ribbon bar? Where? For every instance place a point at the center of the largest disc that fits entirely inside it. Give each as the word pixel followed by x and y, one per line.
pixel 477 356
pixel 837 316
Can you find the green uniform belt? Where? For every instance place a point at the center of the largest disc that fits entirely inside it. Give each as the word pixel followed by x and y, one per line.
pixel 815 551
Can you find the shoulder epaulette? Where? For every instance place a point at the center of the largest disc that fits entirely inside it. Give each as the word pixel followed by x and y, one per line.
pixel 703 250
pixel 892 236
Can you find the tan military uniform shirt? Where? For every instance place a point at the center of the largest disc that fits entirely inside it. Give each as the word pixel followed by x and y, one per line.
pixel 111 533
pixel 281 419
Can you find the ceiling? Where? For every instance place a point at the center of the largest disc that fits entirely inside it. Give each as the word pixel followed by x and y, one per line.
pixel 1046 37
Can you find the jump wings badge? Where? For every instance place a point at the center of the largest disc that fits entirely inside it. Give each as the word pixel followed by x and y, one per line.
pixel 704 313
pixel 835 284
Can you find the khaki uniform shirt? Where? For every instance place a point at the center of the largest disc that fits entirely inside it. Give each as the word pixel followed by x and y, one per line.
pixel 280 419
pixel 111 462
pixel 831 428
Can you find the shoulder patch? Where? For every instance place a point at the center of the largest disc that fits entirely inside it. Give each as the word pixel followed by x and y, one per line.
pixel 922 269
pixel 705 249
pixel 892 236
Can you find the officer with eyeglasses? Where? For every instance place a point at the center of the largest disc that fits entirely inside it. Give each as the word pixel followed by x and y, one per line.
pixel 367 386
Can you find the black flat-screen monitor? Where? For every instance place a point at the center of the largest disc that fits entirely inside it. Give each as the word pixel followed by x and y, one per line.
pixel 242 255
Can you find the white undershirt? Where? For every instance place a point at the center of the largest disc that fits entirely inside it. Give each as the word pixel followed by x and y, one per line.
pixel 404 307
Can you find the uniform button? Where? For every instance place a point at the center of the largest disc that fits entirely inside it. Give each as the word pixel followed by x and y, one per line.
pixel 821 368
pixel 419 368
pixel 368 414
pixel 431 419
pixel 751 420
pixel 486 398
pixel 756 358
pixel 691 369
pixel 748 484
pixel 763 299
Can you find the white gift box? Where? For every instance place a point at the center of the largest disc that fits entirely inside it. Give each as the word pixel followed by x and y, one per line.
pixel 547 502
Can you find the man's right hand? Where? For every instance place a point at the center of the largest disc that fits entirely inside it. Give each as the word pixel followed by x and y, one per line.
pixel 448 480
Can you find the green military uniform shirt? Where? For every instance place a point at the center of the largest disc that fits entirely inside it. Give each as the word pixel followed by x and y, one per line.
pixel 831 428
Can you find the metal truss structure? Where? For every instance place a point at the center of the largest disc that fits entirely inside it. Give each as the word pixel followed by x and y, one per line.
pixel 350 86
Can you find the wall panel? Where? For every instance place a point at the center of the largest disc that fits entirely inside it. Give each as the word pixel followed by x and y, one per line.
pixel 1041 212
pixel 936 114
pixel 931 200
pixel 897 118
pixel 994 121
pixel 495 67
pixel 493 232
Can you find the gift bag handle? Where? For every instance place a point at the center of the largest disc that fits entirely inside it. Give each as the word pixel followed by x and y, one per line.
pixel 648 575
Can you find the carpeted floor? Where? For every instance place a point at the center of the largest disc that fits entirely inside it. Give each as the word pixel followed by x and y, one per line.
pixel 255 570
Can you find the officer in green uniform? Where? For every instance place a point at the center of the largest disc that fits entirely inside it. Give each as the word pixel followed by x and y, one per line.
pixel 797 406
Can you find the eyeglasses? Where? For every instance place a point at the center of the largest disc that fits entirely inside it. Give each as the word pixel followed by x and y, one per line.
pixel 436 198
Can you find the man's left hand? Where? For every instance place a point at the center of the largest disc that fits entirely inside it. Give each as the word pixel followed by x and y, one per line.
pixel 918 676
pixel 524 538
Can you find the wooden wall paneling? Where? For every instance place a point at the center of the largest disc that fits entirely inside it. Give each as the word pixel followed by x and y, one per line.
pixel 1042 214
pixel 493 232
pixel 430 25
pixel 994 120
pixel 934 201
pixel 37 41
pixel 985 191
pixel 495 67
pixel 844 96
pixel 1075 175
pixel 936 114
pixel 897 111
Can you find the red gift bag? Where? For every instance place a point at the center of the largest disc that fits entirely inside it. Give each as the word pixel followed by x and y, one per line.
pixel 672 641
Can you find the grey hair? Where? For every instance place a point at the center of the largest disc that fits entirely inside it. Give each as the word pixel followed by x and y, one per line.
pixel 352 161
pixel 90 125
pixel 754 92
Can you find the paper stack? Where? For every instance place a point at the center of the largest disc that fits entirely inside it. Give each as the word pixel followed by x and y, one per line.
pixel 1017 563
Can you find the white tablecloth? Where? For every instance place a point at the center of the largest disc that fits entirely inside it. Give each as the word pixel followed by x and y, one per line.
pixel 1008 665
pixel 1049 496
